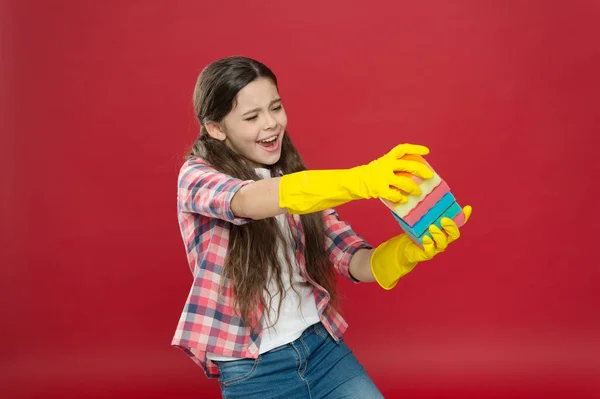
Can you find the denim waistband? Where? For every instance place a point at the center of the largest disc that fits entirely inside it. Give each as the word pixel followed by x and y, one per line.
pixel 316 328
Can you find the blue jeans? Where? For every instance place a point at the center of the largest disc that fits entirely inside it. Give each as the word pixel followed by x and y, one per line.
pixel 312 367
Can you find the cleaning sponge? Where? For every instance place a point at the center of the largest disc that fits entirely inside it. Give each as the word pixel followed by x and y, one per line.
pixel 421 211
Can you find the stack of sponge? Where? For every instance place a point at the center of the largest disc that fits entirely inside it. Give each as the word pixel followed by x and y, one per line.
pixel 421 211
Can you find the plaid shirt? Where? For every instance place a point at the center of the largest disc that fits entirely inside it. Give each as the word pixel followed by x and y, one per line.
pixel 208 322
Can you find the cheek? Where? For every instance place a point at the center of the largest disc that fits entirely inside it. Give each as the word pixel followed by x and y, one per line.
pixel 248 138
pixel 283 120
pixel 240 135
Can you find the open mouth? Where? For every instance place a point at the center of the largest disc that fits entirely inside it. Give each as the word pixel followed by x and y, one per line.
pixel 270 144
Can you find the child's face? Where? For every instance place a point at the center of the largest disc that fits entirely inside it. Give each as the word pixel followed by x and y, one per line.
pixel 255 126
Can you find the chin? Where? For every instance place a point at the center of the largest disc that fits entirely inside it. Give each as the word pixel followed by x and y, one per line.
pixel 272 160
pixel 263 161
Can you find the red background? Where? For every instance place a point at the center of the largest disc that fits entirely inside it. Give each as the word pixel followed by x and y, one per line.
pixel 96 114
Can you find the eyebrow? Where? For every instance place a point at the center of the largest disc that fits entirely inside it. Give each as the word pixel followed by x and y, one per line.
pixel 258 109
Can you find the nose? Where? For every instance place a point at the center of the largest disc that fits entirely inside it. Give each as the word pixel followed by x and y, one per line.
pixel 270 122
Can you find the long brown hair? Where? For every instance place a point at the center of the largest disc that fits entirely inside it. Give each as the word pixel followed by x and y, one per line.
pixel 252 255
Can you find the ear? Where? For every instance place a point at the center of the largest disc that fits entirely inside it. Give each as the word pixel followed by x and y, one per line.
pixel 215 131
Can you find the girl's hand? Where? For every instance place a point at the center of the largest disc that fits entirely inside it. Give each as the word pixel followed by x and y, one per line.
pixel 379 179
pixel 398 256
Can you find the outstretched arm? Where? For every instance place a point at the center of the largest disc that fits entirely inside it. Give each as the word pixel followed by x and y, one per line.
pixel 206 191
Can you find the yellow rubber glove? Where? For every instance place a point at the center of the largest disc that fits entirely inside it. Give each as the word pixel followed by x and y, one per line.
pixel 398 256
pixel 316 190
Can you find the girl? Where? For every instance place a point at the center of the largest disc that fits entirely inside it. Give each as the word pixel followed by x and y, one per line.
pixel 263 245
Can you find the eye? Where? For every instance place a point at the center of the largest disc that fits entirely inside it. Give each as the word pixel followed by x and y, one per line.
pixel 251 118
pixel 277 108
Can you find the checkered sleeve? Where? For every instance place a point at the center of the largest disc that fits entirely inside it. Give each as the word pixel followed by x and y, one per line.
pixel 341 243
pixel 205 191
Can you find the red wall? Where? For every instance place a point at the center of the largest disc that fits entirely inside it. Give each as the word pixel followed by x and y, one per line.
pixel 96 113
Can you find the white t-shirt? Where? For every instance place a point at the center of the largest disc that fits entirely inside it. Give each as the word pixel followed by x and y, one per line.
pixel 298 309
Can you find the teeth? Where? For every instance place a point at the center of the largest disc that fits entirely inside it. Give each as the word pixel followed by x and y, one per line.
pixel 268 140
